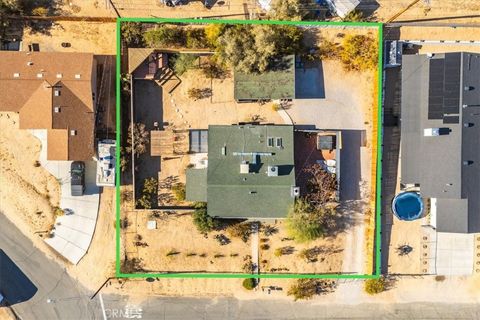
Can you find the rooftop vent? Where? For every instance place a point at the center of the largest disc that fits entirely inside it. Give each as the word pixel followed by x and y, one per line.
pixel 73 132
pixel 78 76
pixel 272 171
pixel 29 63
pixel 295 192
pixel 39 75
pixel 57 93
pixel 56 109
pixel 59 76
pixel 16 75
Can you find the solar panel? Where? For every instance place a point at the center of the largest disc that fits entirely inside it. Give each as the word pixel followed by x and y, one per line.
pixel 451 119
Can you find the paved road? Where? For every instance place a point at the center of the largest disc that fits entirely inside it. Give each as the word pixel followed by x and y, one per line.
pixel 35 274
pixel 71 301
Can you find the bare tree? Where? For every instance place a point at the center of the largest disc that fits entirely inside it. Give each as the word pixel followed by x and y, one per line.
pixel 138 139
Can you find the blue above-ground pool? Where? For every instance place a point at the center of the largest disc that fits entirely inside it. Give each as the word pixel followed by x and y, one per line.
pixel 407 206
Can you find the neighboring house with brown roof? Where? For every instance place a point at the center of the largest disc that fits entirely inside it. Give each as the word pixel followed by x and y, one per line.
pixel 53 91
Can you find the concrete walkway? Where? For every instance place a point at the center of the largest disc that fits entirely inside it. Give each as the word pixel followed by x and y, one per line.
pixel 255 255
pixel 73 233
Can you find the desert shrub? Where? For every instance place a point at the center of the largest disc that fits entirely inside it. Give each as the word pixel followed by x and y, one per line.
pixel 283 251
pixel 249 283
pixel 213 70
pixel 132 34
pixel 218 255
pixel 355 16
pixel 196 39
pixel 265 246
pixel 36 164
pixel 144 202
pixel 197 93
pixel 179 191
pixel 190 254
pixel 57 211
pixel 150 185
pixel 240 230
pixel 375 286
pixel 278 252
pixel 359 53
pixel 182 62
pixel 440 278
pixel 40 11
pixel 310 255
pixel 307 288
pixel 212 32
pixel 165 36
pixel 329 50
pixel 171 253
pixel 248 266
pixel 137 139
pixel 203 221
pixel 293 10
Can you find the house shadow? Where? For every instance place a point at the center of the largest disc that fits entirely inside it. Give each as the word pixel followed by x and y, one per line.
pixel 350 164
pixel 309 80
pixel 148 110
pixel 15 286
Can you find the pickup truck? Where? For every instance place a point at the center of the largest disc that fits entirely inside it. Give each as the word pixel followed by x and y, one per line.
pixel 77 178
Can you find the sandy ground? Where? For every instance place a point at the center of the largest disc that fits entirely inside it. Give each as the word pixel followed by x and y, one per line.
pixel 20 175
pixel 176 233
pixel 436 11
pixel 7 314
pixel 95 37
pixel 99 262
pixel 233 9
pixel 329 260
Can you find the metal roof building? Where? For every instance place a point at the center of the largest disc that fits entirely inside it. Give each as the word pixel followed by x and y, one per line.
pixel 250 172
pixel 270 85
pixel 440 133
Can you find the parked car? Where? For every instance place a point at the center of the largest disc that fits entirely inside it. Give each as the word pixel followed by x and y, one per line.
pixel 77 178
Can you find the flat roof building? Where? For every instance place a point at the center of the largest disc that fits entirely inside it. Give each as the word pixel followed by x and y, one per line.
pixel 278 83
pixel 440 134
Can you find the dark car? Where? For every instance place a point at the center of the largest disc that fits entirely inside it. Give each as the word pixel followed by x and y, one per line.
pixel 77 178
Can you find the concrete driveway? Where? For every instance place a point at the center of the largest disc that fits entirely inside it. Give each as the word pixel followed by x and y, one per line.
pixel 73 233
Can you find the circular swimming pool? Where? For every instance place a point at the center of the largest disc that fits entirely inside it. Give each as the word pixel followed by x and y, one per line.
pixel 407 206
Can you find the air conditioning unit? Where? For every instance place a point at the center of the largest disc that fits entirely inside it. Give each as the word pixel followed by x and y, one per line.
pixel 272 171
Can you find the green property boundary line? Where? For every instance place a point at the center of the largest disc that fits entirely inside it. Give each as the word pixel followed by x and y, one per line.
pixel 377 237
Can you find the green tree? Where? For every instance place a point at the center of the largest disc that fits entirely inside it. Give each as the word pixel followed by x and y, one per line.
pixel 257 48
pixel 196 39
pixel 182 62
pixel 306 223
pixel 213 32
pixel 132 34
pixel 359 53
pixel 293 10
pixel 203 221
pixel 165 36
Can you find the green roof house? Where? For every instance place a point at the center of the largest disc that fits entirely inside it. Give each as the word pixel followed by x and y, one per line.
pixel 250 172
pixel 270 85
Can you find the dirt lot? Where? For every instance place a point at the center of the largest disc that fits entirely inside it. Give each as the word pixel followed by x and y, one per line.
pixel 436 11
pixel 95 37
pixel 20 175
